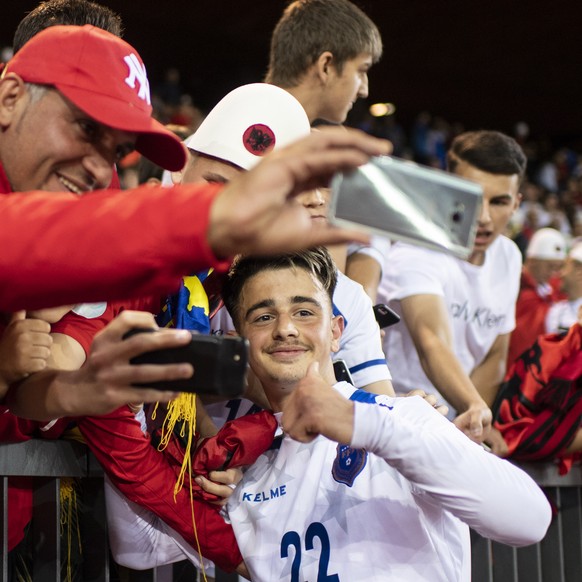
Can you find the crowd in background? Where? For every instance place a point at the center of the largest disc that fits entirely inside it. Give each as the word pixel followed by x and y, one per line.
pixel 552 190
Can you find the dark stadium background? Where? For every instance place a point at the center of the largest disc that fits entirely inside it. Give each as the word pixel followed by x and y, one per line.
pixel 483 64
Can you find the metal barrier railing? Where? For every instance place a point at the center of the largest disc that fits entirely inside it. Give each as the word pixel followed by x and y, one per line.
pixel 557 558
pixel 48 462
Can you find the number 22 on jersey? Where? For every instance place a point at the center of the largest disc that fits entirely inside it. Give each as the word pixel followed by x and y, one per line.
pixel 293 539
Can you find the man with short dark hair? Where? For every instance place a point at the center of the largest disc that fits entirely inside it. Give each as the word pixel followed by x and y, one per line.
pixel 321 51
pixel 392 500
pixel 66 12
pixel 62 130
pixel 76 127
pixel 457 315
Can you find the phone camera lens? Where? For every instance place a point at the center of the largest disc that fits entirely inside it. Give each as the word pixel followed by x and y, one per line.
pixel 457 215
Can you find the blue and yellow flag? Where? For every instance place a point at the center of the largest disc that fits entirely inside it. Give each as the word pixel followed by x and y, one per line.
pixel 189 307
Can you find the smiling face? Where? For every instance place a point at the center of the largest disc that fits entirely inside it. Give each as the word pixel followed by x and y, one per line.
pixel 500 200
pixel 344 88
pixel 286 316
pixel 49 144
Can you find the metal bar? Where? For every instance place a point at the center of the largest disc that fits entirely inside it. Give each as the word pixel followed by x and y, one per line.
pixel 94 539
pixel 571 528
pixel 4 517
pixel 46 518
pixel 480 558
pixel 529 564
pixel 551 548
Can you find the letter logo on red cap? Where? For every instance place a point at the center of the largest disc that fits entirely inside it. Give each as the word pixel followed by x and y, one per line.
pixel 137 73
pixel 259 139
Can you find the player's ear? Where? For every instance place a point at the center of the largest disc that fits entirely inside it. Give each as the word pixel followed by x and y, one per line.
pixel 337 328
pixel 323 65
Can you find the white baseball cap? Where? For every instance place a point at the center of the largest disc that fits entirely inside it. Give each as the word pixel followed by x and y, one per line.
pixel 251 121
pixel 547 243
pixel 576 252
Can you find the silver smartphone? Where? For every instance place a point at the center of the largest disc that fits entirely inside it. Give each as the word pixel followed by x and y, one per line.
pixel 402 200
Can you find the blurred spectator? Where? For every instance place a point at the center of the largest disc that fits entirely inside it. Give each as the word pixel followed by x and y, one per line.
pixel 420 137
pixel 531 214
pixel 555 216
pixel 539 289
pixel 563 314
pixel 437 141
pixel 170 89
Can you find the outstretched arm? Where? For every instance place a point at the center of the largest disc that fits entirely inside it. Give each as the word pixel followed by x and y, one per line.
pixel 427 321
pixel 155 236
pixel 489 494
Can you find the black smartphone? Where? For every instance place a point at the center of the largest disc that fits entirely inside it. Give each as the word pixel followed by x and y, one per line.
pixel 341 371
pixel 385 316
pixel 220 364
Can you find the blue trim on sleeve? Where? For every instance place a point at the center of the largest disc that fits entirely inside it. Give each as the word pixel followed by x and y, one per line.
pixel 368 364
pixel 363 396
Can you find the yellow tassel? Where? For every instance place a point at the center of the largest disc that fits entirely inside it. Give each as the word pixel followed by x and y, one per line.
pixel 69 519
pixel 182 409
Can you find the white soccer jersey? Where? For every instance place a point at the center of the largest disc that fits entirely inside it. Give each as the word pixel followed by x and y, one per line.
pixel 480 301
pixel 323 511
pixel 360 345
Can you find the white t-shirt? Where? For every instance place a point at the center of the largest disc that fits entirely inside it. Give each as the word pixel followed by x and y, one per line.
pixel 360 345
pixel 562 315
pixel 377 249
pixel 386 511
pixel 480 301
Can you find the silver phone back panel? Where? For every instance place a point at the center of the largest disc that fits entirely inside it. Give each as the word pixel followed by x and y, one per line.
pixel 404 201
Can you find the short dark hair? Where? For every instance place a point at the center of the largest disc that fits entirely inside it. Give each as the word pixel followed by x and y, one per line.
pixel 308 28
pixel 489 151
pixel 316 261
pixel 67 12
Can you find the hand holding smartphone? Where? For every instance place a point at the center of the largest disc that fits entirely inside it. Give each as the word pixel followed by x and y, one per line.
pixel 220 364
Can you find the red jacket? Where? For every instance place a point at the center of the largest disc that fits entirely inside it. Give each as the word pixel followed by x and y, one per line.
pixel 539 406
pixel 530 315
pixel 58 248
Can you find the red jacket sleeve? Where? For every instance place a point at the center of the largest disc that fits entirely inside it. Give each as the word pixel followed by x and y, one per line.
pixel 60 249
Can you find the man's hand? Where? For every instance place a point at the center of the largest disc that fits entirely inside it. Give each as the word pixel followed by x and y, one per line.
pixel 475 422
pixel 220 483
pixel 105 381
pixel 497 443
pixel 257 214
pixel 431 399
pixel 25 347
pixel 316 408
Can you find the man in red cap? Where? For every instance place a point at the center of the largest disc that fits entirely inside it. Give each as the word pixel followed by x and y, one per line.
pixel 75 99
pixel 72 101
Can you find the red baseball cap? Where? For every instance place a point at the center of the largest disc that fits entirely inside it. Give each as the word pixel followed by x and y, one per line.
pixel 103 76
